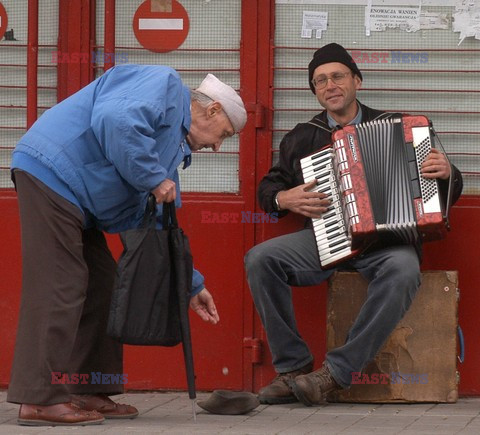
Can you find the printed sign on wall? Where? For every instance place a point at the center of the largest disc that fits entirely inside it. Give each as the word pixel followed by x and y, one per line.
pixel 161 25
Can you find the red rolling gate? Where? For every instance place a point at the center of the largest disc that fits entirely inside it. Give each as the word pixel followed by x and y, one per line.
pixel 89 36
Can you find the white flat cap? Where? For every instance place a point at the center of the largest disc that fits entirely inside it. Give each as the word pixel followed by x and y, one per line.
pixel 228 98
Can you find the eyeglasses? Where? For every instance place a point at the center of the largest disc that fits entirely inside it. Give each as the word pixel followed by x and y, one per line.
pixel 321 81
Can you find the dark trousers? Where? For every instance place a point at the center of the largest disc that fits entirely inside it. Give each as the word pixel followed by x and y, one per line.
pixel 67 281
pixel 292 260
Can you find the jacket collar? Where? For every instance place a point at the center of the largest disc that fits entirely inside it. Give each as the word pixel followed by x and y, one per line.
pixel 187 113
pixel 368 114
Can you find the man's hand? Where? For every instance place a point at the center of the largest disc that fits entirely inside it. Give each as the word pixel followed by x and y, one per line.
pixel 301 201
pixel 165 191
pixel 435 165
pixel 202 303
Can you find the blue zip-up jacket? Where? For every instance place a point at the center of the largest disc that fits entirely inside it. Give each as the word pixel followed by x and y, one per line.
pixel 111 143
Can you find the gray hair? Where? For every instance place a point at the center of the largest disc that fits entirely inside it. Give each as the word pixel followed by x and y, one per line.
pixel 202 99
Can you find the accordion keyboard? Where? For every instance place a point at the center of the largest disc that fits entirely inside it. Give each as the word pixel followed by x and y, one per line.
pixel 333 241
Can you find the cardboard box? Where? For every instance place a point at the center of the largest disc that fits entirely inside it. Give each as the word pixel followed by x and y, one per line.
pixel 418 363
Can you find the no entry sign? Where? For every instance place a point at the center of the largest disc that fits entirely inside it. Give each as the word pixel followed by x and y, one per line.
pixel 161 25
pixel 3 21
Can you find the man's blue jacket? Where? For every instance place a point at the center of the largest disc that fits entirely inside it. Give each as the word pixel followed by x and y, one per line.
pixel 111 143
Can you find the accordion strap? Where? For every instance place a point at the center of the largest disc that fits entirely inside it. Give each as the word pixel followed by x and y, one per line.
pixel 319 126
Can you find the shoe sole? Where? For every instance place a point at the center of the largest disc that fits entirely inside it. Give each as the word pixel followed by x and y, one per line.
pixel 277 400
pixel 300 396
pixel 28 422
pixel 120 416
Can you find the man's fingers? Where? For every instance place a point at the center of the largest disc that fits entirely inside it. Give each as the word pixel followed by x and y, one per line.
pixel 200 309
pixel 165 191
pixel 170 196
pixel 212 309
pixel 310 185
pixel 314 195
pixel 204 306
pixel 313 212
pixel 206 316
pixel 203 314
pixel 170 191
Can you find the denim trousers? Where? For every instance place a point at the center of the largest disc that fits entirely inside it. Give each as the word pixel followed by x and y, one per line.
pixel 275 265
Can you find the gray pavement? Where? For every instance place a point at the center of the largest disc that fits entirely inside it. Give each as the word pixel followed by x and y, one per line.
pixel 171 413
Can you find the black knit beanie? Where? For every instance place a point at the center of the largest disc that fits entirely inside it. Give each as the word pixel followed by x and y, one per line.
pixel 331 53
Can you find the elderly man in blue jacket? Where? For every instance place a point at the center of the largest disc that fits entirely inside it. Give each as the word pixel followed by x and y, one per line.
pixel 87 166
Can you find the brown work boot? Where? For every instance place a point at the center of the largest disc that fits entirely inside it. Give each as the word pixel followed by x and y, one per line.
pixel 278 391
pixel 312 389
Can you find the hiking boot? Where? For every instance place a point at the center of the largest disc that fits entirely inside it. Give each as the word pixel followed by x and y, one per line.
pixel 312 389
pixel 278 391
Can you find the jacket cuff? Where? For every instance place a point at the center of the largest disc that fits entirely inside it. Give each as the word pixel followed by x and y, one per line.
pixel 198 282
pixel 270 206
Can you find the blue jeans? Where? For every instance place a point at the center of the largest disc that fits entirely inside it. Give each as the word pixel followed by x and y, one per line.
pixel 292 260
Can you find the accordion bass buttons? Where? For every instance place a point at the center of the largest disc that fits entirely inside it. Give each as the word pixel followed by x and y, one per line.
pixel 343 167
pixel 340 158
pixel 351 206
pixel 346 181
pixel 339 150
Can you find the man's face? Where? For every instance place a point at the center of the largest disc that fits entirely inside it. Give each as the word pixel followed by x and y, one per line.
pixel 209 128
pixel 337 98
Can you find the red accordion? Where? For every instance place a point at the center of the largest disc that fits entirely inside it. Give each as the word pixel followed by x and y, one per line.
pixel 371 173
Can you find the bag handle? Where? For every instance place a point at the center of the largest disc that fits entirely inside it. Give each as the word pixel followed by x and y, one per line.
pixel 150 212
pixel 169 218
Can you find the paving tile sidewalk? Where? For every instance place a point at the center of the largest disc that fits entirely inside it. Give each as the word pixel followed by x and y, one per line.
pixel 171 413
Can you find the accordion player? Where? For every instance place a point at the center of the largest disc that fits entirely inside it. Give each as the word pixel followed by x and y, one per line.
pixel 371 174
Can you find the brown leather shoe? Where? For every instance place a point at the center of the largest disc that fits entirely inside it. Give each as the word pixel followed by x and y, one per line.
pixel 279 391
pixel 312 389
pixel 60 414
pixel 104 405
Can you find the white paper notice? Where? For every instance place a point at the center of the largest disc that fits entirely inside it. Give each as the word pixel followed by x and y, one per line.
pixel 464 5
pixel 381 18
pixel 314 22
pixel 467 19
pixel 475 22
pixel 433 20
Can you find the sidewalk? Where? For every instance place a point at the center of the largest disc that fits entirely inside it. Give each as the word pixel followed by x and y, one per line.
pixel 171 413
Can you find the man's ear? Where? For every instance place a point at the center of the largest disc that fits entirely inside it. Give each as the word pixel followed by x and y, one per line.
pixel 358 82
pixel 213 109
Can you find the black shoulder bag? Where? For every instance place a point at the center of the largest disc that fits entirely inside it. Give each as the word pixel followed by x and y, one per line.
pixel 153 283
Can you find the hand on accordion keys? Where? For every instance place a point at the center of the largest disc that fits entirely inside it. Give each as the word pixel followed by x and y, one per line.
pixel 302 200
pixel 436 165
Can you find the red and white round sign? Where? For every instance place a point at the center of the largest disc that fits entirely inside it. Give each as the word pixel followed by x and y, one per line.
pixel 3 21
pixel 161 30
